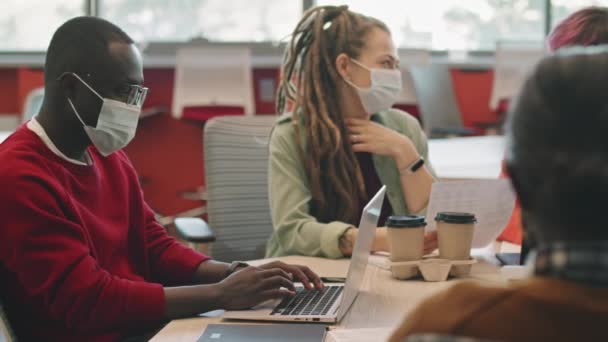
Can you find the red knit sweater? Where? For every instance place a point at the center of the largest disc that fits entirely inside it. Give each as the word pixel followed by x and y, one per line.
pixel 81 256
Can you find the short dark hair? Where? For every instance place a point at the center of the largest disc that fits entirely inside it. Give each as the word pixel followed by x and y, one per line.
pixel 557 151
pixel 79 44
pixel 588 26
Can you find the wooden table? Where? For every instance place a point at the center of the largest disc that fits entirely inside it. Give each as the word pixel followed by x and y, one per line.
pixel 382 302
pixel 467 158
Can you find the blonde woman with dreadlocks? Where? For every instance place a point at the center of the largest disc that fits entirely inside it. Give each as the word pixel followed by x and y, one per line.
pixel 342 140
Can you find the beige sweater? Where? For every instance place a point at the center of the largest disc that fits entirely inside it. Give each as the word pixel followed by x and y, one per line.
pixel 296 231
pixel 539 309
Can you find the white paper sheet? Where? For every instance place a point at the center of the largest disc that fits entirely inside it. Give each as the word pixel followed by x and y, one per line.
pixel 492 202
pixel 358 335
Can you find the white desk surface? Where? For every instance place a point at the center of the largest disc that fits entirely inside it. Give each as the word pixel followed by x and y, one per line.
pixel 467 158
pixel 4 135
pixel 382 303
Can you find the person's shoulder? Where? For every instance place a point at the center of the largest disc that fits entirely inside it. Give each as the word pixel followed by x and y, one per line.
pixel 450 308
pixel 399 119
pixel 283 127
pixel 25 173
pixel 283 122
pixel 120 157
pixel 398 115
pixel 20 155
pixel 467 290
pixel 20 141
pixel 284 118
pixel 466 294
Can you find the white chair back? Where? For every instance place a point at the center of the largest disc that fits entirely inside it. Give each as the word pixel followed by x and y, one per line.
pixel 436 98
pixel 236 174
pixel 410 58
pixel 32 104
pixel 213 76
pixel 514 60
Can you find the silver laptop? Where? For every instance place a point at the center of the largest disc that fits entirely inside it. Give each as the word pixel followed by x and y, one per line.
pixel 331 304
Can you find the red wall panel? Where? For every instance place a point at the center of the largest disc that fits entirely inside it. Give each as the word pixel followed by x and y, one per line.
pixel 8 91
pixel 168 156
pixel 27 80
pixel 265 82
pixel 160 82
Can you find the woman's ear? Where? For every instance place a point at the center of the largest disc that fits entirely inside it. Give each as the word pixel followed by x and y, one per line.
pixel 343 66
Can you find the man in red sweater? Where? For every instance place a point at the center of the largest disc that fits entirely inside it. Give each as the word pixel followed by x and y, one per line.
pixel 81 255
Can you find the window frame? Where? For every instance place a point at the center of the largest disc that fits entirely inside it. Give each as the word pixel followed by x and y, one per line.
pixel 92 7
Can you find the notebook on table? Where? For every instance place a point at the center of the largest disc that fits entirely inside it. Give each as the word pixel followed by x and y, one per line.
pixel 264 333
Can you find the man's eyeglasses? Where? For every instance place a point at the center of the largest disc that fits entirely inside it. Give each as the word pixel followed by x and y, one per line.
pixel 134 94
pixel 131 94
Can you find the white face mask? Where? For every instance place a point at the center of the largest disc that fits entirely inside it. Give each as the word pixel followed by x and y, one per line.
pixel 384 89
pixel 116 124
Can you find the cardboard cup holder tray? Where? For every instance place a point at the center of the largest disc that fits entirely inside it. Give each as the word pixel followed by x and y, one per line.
pixel 431 268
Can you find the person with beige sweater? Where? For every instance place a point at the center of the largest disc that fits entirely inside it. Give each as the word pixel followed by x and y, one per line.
pixel 557 158
pixel 339 140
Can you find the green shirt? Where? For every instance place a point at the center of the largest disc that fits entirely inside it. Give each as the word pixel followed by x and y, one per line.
pixel 296 231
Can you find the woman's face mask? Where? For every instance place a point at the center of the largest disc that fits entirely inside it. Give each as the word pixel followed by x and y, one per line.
pixel 384 90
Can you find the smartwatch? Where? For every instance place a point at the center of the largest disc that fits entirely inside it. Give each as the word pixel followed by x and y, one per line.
pixel 413 167
pixel 234 266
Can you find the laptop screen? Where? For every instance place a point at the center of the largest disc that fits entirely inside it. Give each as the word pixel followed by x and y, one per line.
pixel 361 251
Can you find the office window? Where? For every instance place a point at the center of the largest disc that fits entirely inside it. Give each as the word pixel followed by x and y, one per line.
pixel 455 24
pixel 563 8
pixel 27 25
pixel 215 20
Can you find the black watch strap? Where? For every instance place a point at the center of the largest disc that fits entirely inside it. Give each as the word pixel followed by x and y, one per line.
pixel 234 266
pixel 417 165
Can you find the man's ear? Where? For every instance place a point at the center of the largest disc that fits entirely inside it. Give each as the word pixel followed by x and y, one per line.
pixel 343 66
pixel 67 85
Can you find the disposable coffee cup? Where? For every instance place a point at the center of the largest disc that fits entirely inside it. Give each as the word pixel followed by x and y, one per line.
pixel 406 243
pixel 455 234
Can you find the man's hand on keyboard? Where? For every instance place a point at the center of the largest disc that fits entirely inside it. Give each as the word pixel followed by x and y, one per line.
pixel 251 286
pixel 299 273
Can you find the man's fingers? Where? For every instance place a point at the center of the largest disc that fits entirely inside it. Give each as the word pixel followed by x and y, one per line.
pixel 294 272
pixel 301 276
pixel 313 277
pixel 274 294
pixel 277 282
pixel 275 272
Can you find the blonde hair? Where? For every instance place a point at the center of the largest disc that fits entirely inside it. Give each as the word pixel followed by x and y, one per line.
pixel 311 82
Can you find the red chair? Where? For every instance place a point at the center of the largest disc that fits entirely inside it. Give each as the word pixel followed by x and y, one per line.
pixel 204 113
pixel 473 92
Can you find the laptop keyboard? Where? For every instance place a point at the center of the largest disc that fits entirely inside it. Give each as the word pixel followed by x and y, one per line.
pixel 309 302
